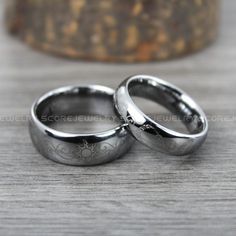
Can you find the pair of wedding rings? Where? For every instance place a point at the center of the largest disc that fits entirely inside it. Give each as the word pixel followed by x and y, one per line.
pixel 101 147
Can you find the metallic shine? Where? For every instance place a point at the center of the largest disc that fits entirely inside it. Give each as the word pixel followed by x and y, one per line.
pixel 77 149
pixel 149 132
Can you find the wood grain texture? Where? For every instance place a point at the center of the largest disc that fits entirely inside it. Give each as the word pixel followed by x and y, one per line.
pixel 143 193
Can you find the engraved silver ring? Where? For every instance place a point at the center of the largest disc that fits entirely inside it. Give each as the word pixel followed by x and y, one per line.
pixel 83 149
pixel 151 133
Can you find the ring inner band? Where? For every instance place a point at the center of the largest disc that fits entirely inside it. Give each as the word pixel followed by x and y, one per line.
pixel 171 99
pixel 80 101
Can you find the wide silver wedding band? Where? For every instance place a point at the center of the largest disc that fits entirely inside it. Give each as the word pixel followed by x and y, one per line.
pixel 151 133
pixel 77 149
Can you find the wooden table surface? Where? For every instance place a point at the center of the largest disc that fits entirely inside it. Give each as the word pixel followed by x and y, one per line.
pixel 143 193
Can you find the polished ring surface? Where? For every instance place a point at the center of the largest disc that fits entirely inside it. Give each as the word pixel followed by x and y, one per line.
pixel 151 133
pixel 77 149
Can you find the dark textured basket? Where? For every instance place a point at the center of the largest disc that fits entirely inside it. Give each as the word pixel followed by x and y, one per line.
pixel 115 30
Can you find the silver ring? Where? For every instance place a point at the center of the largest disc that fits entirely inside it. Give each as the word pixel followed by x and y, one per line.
pixel 149 132
pixel 77 149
